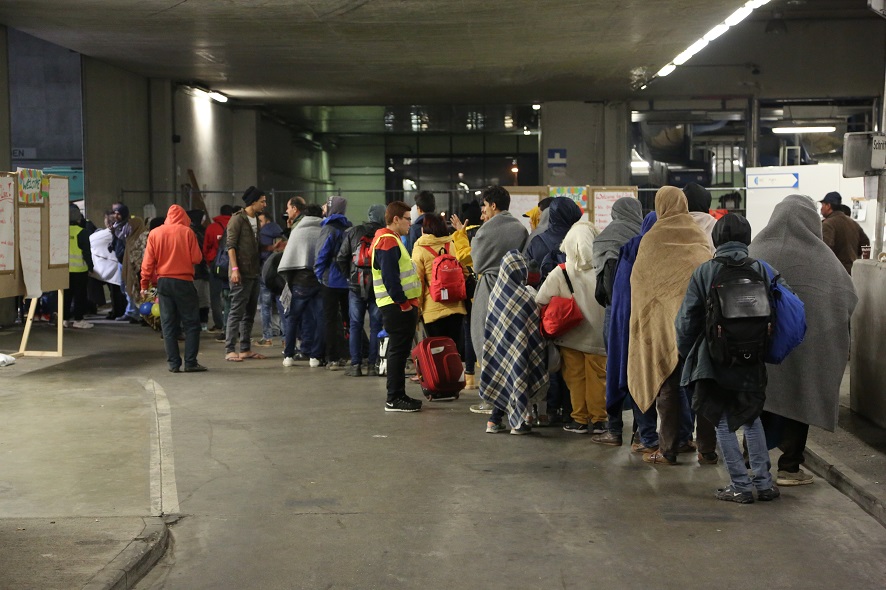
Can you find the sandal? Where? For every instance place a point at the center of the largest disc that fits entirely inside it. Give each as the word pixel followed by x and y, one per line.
pixel 233 357
pixel 658 458
pixel 251 354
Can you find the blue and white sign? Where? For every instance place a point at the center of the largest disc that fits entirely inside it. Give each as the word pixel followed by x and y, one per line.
pixel 777 180
pixel 557 158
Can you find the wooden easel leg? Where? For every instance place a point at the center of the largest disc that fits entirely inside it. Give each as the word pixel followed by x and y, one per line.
pixel 28 322
pixel 59 320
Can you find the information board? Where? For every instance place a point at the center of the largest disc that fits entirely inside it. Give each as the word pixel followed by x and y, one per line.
pixel 603 197
pixel 58 220
pixel 579 194
pixel 30 250
pixel 7 225
pixel 524 198
pixel 30 186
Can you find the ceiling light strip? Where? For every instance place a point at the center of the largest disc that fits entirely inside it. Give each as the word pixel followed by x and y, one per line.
pixel 732 20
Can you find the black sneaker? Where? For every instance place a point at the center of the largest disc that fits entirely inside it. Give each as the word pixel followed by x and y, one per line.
pixel 220 337
pixel 576 427
pixel 598 428
pixel 353 371
pixel 728 494
pixel 769 495
pixel 300 357
pixel 198 368
pixel 524 428
pixel 403 404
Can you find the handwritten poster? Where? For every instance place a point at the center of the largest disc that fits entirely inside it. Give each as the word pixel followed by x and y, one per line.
pixel 30 186
pixel 58 221
pixel 29 249
pixel 7 224
pixel 579 194
pixel 604 198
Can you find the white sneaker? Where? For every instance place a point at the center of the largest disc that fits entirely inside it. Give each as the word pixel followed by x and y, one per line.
pixel 288 361
pixel 68 323
pixel 82 325
pixel 314 363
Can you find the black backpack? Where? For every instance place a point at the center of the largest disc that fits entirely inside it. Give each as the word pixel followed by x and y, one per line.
pixel 222 258
pixel 270 274
pixel 739 318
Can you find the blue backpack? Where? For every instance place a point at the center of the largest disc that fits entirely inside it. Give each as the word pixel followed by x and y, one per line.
pixel 789 326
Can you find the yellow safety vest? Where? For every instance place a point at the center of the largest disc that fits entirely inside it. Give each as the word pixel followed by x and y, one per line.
pixel 75 254
pixel 408 277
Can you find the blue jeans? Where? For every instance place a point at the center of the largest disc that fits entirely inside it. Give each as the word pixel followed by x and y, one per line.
pixel 357 308
pixel 267 301
pixel 305 315
pixel 757 452
pixel 647 424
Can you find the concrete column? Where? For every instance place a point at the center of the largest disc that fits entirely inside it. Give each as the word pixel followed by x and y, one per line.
pixel 245 149
pixel 162 145
pixel 596 139
pixel 7 306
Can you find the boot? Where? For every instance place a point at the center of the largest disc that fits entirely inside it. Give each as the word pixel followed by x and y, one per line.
pixel 470 382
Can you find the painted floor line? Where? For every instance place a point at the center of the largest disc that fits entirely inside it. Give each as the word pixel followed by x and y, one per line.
pixel 164 491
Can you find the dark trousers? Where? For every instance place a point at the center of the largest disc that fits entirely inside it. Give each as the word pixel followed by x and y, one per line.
pixel 75 296
pixel 400 326
pixel 305 313
pixel 179 307
pixel 336 316
pixel 673 407
pixel 470 353
pixel 449 327
pixel 244 302
pixel 792 445
pixel 216 300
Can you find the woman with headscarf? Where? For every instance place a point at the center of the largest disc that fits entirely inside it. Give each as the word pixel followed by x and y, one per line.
pixel 514 359
pixel 542 251
pixel 805 388
pixel 627 217
pixel 730 396
pixel 581 348
pixel 617 393
pixel 668 254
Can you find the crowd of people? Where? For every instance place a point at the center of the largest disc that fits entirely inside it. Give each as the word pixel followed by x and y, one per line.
pixel 567 326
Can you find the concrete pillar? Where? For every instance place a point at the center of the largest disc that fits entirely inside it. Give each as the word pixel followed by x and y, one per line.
pixel 7 306
pixel 162 145
pixel 245 148
pixel 595 137
pixel 867 372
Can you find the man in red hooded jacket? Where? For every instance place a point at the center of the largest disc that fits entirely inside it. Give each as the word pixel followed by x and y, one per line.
pixel 171 253
pixel 217 285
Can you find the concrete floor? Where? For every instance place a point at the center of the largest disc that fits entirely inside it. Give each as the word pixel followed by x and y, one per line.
pixel 296 478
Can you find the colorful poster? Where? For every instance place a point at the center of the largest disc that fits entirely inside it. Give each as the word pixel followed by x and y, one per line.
pixel 7 224
pixel 579 194
pixel 58 220
pixel 31 188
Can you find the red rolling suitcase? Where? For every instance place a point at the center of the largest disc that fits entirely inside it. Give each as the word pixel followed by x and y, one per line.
pixel 438 366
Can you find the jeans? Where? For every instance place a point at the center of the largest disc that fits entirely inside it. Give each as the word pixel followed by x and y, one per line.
pixel 400 326
pixel 607 317
pixel 268 301
pixel 304 318
pixel 179 308
pixel 335 312
pixel 217 300
pixel 647 425
pixel 357 308
pixel 244 301
pixel 757 452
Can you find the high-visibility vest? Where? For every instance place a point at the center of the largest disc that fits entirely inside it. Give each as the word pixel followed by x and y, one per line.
pixel 75 254
pixel 408 277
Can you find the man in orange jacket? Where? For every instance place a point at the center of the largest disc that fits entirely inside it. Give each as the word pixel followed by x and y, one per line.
pixel 171 253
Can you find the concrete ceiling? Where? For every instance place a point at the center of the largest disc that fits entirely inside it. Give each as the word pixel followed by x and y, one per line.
pixel 284 53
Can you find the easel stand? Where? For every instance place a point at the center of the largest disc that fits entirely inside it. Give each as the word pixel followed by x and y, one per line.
pixel 23 349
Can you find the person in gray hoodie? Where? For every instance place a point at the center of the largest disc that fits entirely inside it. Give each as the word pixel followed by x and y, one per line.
pixel 355 261
pixel 304 316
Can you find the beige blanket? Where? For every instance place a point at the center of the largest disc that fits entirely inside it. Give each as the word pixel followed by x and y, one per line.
pixel 668 254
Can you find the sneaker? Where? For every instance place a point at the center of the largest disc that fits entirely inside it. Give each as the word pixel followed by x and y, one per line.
pixel 353 371
pixel 642 449
pixel 493 428
pixel 314 363
pixel 481 408
pixel 214 330
pixel 82 325
pixel 403 404
pixel 607 438
pixel 220 337
pixel 708 458
pixel 300 357
pixel 67 323
pixel 800 478
pixel 122 318
pixel 768 495
pixel 598 428
pixel 265 342
pixel 198 368
pixel 728 494
pixel 288 361
pixel 524 428
pixel 204 328
pixel 372 371
pixel 576 427
pixel 334 366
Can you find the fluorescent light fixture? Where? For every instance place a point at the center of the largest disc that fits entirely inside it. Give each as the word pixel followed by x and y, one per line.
pixel 643 87
pixel 536 107
pixel 715 32
pixel 642 164
pixel 199 91
pixel 526 131
pixel 692 50
pixel 666 70
pixel 738 16
pixel 218 96
pixel 790 130
pixel 755 4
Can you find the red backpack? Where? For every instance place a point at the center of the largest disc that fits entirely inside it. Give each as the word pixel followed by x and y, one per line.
pixel 447 284
pixel 361 276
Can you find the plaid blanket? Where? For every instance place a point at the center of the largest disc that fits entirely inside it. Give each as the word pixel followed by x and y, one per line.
pixel 514 363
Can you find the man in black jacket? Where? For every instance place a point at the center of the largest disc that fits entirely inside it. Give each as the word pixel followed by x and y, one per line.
pixel 354 260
